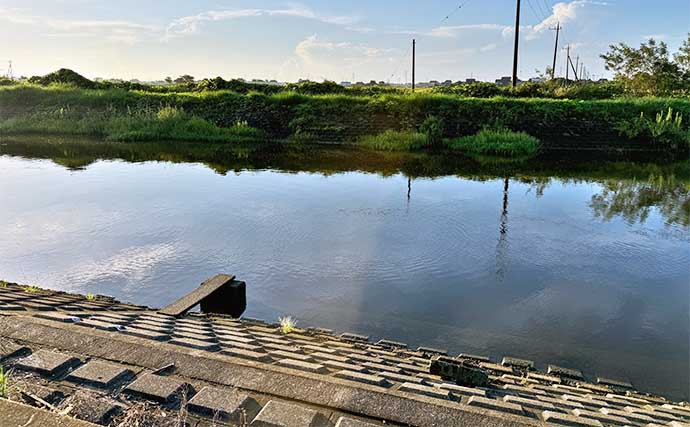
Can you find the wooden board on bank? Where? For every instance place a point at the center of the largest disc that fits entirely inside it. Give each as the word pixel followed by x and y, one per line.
pixel 194 298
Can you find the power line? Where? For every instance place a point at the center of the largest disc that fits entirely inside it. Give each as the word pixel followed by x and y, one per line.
pixel 404 57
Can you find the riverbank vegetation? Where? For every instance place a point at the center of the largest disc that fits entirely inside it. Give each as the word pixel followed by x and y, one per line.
pixel 497 142
pixel 147 124
pixel 632 109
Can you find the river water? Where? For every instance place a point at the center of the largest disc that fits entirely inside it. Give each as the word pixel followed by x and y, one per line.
pixel 583 266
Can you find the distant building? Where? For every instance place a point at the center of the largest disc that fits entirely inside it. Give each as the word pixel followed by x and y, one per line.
pixel 507 81
pixel 470 81
pixel 346 84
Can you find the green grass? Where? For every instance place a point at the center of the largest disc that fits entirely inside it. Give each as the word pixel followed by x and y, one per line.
pixel 128 115
pixel 287 325
pixel 395 141
pixel 165 124
pixel 90 297
pixel 489 142
pixel 31 289
pixel 3 284
pixel 5 383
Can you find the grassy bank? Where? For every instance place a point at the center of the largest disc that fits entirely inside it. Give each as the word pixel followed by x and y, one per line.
pixel 329 118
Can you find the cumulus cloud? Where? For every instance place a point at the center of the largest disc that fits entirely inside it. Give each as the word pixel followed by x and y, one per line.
pixel 192 24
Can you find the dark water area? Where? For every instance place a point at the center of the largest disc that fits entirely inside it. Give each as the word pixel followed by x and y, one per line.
pixel 565 260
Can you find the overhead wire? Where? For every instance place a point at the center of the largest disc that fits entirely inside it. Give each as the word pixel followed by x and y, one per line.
pixel 446 18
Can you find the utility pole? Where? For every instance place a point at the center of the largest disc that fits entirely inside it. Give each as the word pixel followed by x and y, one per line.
pixel 517 44
pixel 567 64
pixel 414 65
pixel 577 67
pixel 9 70
pixel 582 71
pixel 555 51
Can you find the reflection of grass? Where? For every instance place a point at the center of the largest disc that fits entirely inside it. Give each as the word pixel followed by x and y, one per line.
pixel 497 143
pixel 287 325
pixel 395 141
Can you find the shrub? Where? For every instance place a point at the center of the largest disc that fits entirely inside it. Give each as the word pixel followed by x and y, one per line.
pixel 666 128
pixel 287 325
pixel 432 128
pixel 497 142
pixel 395 141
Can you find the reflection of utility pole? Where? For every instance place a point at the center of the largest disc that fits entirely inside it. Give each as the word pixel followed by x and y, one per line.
pixel 409 188
pixel 503 230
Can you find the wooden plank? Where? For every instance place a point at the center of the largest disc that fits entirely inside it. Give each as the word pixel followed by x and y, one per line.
pixel 192 299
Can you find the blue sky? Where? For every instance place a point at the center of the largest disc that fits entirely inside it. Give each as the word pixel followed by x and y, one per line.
pixel 318 39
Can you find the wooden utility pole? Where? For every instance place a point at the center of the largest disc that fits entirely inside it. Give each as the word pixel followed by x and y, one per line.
pixel 414 58
pixel 517 44
pixel 577 68
pixel 567 64
pixel 555 51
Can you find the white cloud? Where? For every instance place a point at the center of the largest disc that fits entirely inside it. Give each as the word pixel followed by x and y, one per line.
pixel 116 31
pixel 192 24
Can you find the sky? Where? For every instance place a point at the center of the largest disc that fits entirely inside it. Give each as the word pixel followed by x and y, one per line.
pixel 354 40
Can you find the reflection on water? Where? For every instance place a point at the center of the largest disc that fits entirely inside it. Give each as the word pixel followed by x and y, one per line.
pixel 571 262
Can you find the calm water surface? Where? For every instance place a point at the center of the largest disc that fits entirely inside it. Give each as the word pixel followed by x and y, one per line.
pixel 588 272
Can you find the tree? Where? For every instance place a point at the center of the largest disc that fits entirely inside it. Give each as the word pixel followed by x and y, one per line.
pixel 647 70
pixel 168 80
pixel 682 57
pixel 185 79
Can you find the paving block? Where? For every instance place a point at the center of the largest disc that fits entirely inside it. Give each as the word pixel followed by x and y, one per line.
pixel 544 378
pixel 657 416
pixel 382 367
pixel 615 382
pixel 314 368
pixel 47 394
pixel 424 390
pixel 518 363
pixel 8 349
pixel 195 344
pixel 496 405
pixel 280 354
pixel 150 326
pixel 250 347
pixel 474 357
pixel 330 356
pixel 355 337
pixel 226 405
pixel 100 374
pixel 279 414
pixel 530 403
pixel 431 350
pixel 92 408
pixel 339 366
pixel 459 390
pixel 636 418
pixel 363 378
pixel 158 388
pixel 47 362
pixel 351 422
pixel 58 317
pixel 495 367
pixel 565 372
pixel 586 401
pixel 145 333
pixel 247 354
pixel 606 419
pixel 97 324
pixel 401 378
pixel 391 344
pixel 557 418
